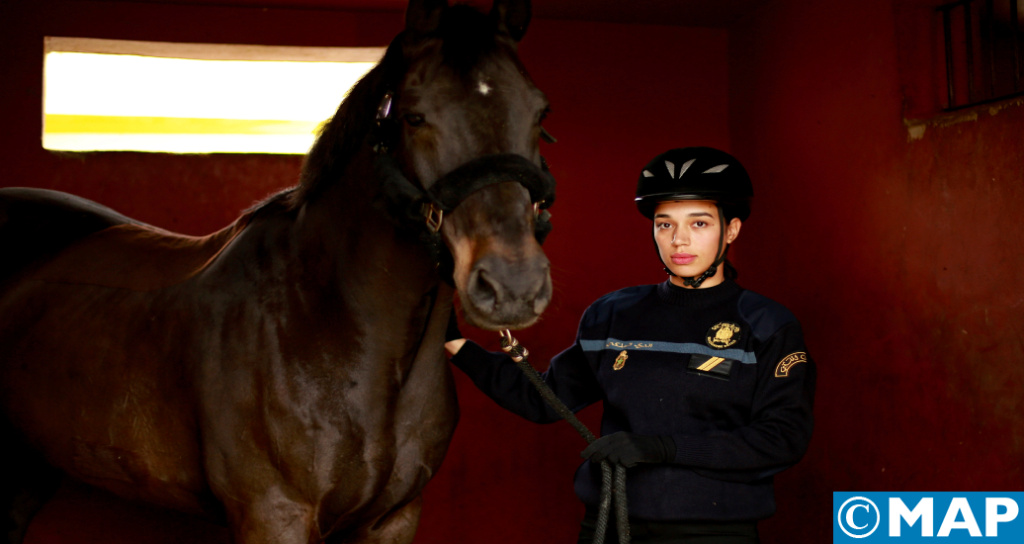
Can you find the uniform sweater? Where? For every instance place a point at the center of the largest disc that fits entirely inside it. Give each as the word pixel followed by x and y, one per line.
pixel 722 370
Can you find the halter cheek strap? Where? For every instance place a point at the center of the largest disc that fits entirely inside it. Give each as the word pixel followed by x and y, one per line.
pixel 405 200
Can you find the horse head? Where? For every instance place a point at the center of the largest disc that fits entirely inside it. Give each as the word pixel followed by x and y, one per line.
pixel 466 126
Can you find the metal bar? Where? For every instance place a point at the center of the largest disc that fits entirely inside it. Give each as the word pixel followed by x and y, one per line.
pixel 948 34
pixel 969 46
pixel 989 38
pixel 988 101
pixel 1015 26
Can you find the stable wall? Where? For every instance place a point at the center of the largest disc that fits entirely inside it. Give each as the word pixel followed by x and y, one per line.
pixel 620 94
pixel 899 253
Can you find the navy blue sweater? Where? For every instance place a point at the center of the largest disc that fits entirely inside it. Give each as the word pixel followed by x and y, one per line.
pixel 722 370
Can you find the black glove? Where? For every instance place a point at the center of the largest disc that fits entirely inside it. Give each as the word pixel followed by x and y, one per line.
pixel 628 449
pixel 453 332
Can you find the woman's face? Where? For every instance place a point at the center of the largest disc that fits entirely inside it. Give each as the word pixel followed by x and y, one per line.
pixel 687 235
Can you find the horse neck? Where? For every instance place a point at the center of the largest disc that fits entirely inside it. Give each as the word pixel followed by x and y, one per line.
pixel 371 259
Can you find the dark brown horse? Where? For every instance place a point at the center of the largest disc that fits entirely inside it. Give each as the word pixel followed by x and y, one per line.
pixel 286 374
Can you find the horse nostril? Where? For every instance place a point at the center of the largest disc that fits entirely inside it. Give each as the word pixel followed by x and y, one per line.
pixel 507 291
pixel 483 292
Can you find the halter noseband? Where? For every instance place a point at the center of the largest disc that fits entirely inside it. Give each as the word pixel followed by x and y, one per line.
pixel 408 201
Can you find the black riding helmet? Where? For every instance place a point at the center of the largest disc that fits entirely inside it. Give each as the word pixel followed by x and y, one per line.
pixel 697 173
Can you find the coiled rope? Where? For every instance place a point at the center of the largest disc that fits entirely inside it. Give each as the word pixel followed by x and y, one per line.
pixel 518 353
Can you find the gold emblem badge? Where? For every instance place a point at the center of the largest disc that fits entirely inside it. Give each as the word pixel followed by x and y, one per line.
pixel 787 362
pixel 620 361
pixel 723 335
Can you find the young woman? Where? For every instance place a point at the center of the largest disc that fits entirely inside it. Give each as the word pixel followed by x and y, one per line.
pixel 707 387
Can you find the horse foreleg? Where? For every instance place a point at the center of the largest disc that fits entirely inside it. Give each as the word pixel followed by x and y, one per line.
pixel 397 527
pixel 272 519
pixel 28 483
pixel 400 526
pixel 23 506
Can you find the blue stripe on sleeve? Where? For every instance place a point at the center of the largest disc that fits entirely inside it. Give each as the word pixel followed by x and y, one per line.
pixel 745 357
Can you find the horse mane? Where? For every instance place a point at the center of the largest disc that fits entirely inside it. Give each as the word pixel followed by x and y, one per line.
pixel 341 138
pixel 466 35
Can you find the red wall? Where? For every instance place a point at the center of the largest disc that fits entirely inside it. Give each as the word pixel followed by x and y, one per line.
pixel 900 256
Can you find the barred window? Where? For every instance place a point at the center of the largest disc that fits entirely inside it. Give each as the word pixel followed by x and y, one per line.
pixel 983 51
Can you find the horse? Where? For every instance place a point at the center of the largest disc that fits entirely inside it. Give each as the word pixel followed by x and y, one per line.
pixel 285 375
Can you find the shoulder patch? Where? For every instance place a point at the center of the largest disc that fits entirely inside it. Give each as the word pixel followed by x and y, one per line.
pixel 722 335
pixel 787 362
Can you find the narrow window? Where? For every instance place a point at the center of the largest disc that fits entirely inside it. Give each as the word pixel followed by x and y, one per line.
pixel 114 95
pixel 984 51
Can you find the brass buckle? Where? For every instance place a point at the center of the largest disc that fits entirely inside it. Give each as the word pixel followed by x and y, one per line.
pixel 434 216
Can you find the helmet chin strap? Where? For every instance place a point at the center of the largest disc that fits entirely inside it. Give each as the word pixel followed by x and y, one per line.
pixel 711 271
pixel 696 281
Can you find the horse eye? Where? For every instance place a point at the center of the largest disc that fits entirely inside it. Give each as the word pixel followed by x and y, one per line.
pixel 414 119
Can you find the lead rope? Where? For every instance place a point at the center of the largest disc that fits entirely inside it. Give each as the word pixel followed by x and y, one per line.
pixel 518 353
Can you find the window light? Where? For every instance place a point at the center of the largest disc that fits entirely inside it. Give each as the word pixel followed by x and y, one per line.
pixel 107 95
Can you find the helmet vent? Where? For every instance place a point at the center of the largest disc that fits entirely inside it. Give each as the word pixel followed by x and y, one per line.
pixel 715 169
pixel 671 168
pixel 686 166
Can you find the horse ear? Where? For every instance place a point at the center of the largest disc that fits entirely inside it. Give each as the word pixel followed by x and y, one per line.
pixel 513 16
pixel 423 16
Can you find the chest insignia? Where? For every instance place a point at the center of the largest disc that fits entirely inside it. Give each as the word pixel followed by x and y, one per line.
pixel 723 335
pixel 620 361
pixel 787 362
pixel 712 367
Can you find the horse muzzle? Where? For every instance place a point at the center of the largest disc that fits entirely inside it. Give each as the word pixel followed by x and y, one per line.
pixel 503 294
pixel 495 217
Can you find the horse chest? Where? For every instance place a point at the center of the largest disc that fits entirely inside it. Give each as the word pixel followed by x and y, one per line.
pixel 352 444
pixel 401 454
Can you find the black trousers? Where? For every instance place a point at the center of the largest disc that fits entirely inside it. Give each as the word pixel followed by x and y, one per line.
pixel 672 532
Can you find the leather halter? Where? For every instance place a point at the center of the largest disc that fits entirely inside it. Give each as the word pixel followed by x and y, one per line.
pixel 409 202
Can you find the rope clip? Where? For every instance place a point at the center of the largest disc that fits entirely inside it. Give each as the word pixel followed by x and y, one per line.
pixel 512 347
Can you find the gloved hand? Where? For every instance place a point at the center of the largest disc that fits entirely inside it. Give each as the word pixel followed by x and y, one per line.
pixel 628 449
pixel 453 332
